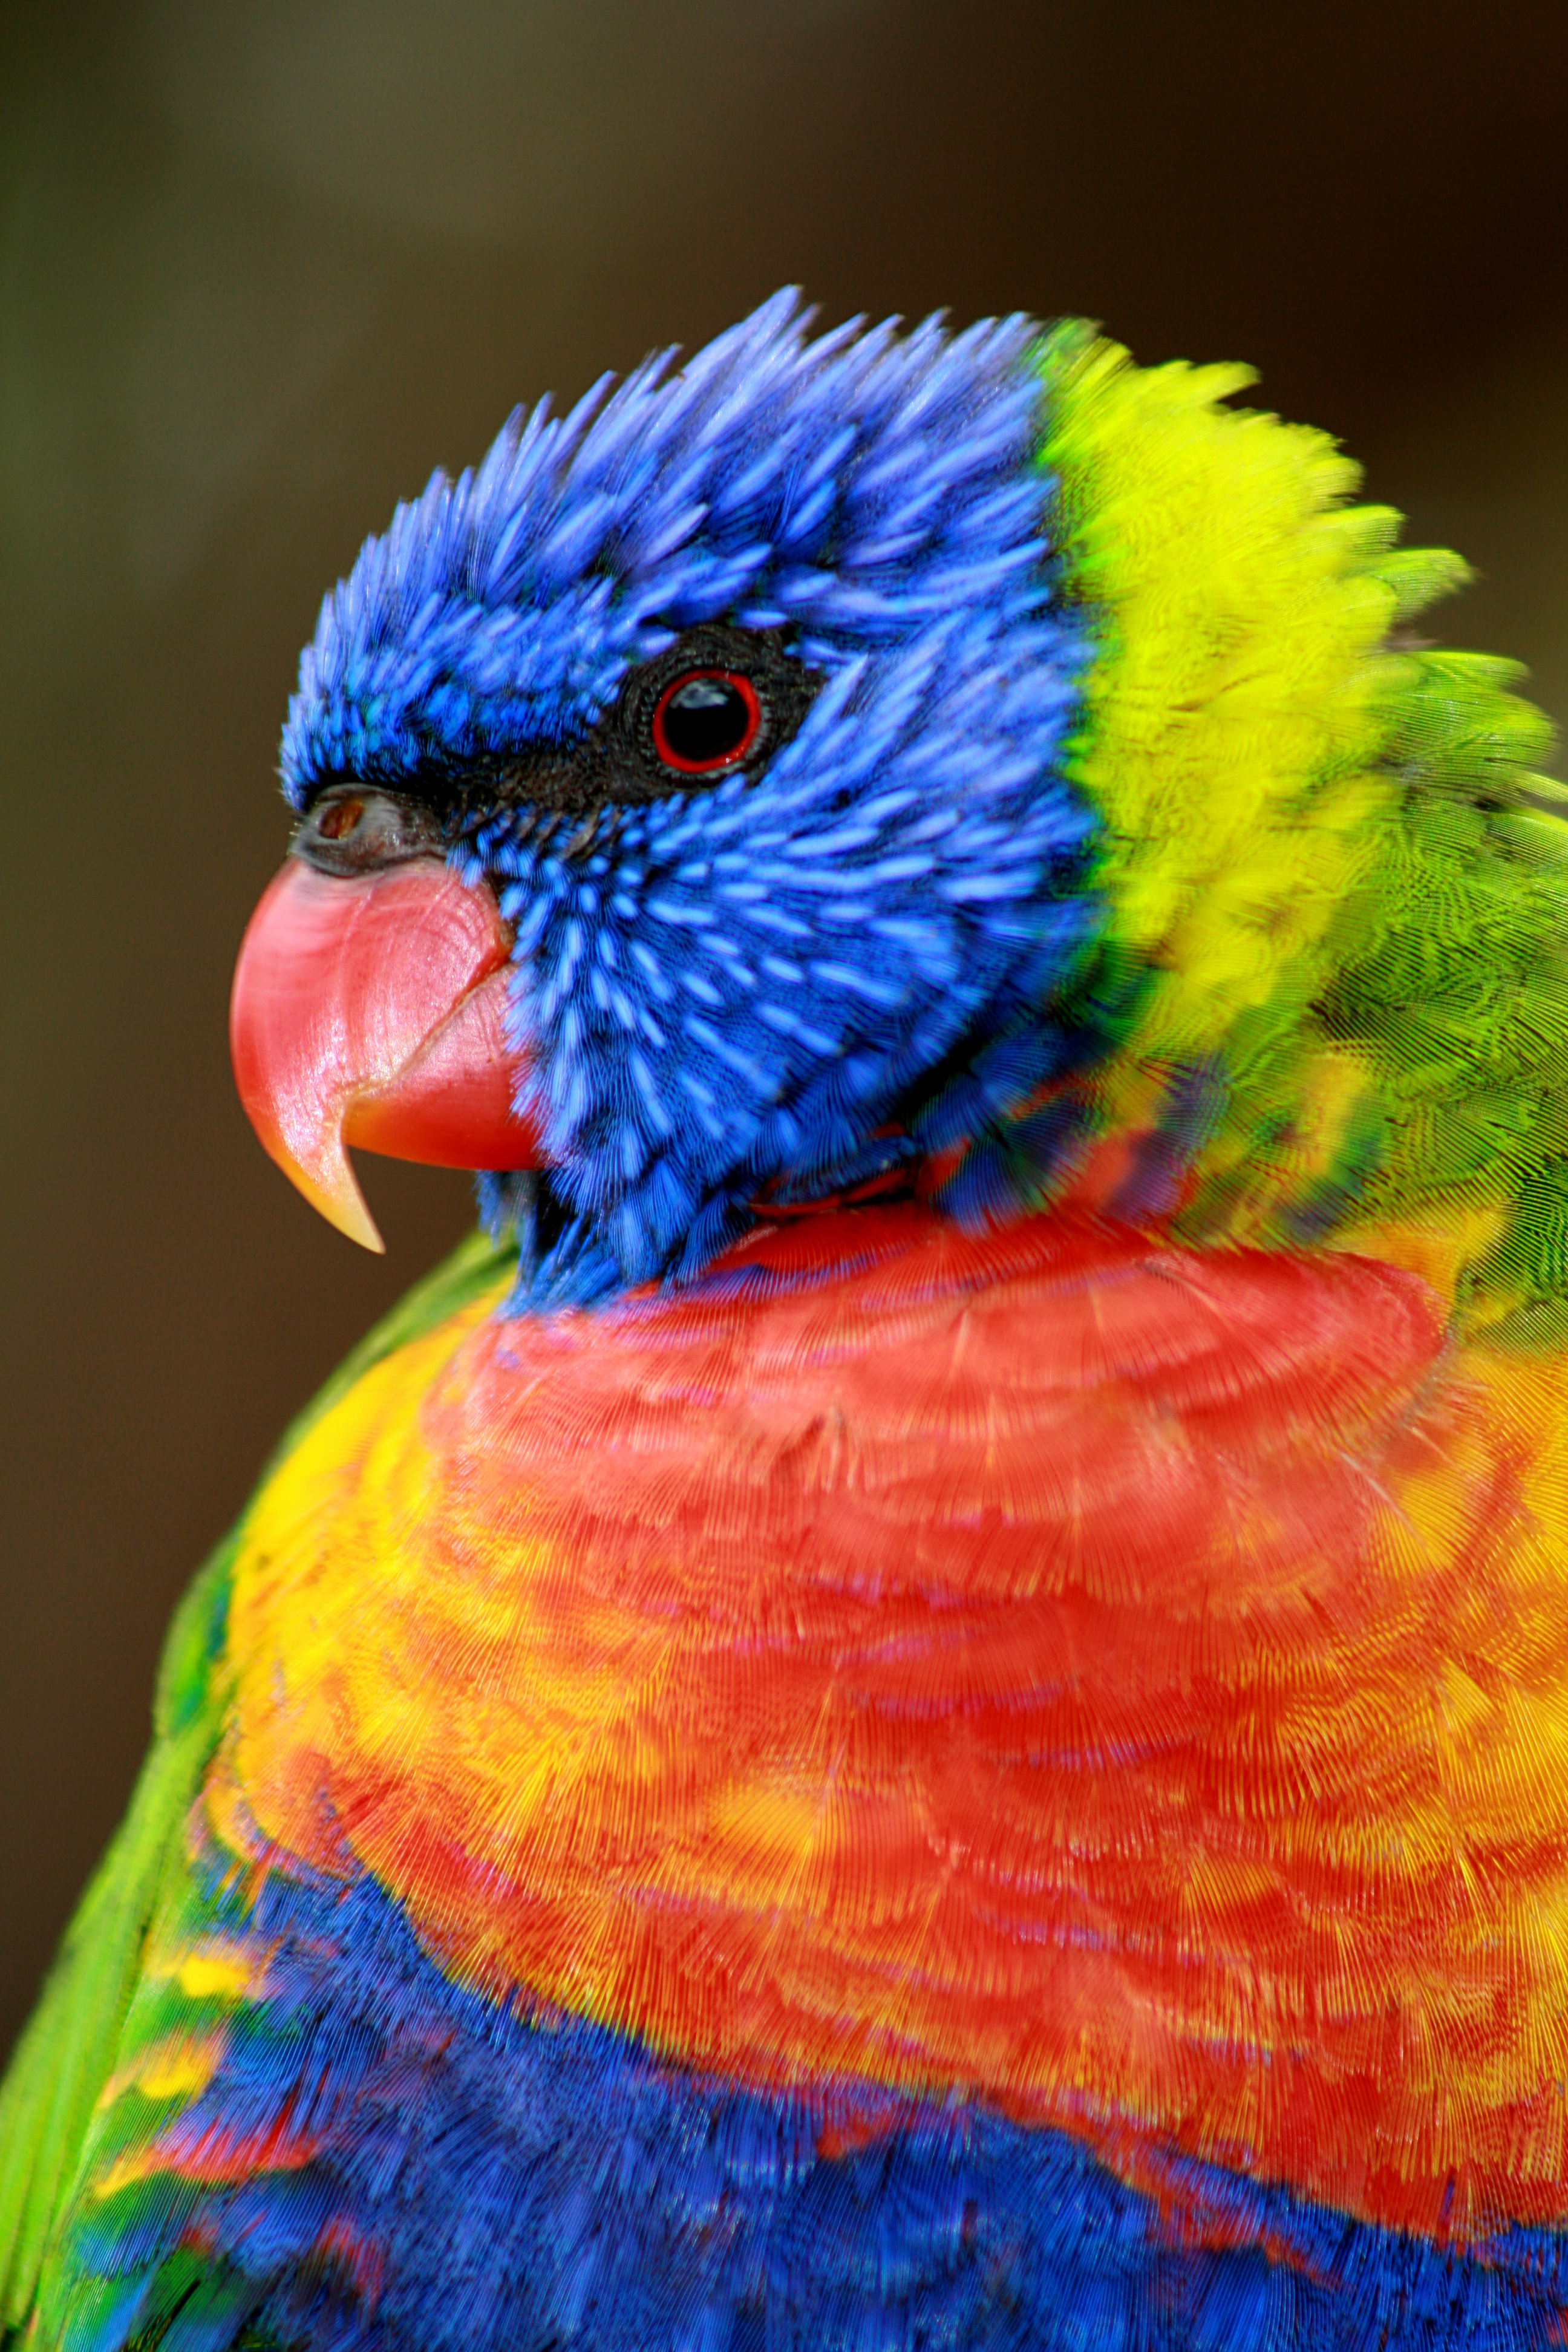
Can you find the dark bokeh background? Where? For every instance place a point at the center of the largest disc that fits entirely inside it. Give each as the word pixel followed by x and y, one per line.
pixel 263 266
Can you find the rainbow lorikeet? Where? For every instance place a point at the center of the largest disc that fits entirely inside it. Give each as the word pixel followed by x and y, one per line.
pixel 925 1703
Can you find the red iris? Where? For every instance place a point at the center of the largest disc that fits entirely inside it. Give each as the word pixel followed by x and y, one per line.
pixel 706 721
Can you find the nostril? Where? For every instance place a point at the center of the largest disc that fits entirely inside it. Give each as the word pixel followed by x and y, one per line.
pixel 339 819
pixel 352 830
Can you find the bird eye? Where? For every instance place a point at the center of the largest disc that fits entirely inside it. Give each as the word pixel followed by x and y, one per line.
pixel 706 721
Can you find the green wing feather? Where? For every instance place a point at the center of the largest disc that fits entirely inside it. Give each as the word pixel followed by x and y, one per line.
pixel 68 2051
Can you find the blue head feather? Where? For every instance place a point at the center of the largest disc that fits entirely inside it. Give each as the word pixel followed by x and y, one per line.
pixel 846 956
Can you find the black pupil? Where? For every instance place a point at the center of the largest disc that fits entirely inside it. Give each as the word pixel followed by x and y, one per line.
pixel 706 721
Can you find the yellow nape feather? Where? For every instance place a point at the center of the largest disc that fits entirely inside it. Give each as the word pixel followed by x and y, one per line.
pixel 1254 745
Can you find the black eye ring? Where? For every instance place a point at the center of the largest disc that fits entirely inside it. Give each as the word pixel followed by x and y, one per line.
pixel 706 721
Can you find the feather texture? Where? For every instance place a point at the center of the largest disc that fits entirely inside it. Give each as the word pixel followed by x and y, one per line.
pixel 933 1713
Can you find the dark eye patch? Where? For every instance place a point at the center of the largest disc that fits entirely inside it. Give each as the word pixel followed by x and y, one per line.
pixel 720 702
pixel 626 761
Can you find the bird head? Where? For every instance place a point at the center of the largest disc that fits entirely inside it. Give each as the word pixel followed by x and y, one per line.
pixel 682 816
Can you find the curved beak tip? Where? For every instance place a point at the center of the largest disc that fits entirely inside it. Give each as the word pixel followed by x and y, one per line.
pixel 333 1187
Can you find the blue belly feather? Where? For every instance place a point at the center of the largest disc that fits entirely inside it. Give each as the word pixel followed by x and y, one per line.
pixel 488 2182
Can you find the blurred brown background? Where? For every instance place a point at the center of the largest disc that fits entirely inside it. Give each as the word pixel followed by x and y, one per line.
pixel 263 266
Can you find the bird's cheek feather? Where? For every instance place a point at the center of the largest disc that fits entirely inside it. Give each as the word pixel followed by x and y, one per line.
pixel 371 1010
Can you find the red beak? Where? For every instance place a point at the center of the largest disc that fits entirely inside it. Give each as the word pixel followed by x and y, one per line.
pixel 371 1010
